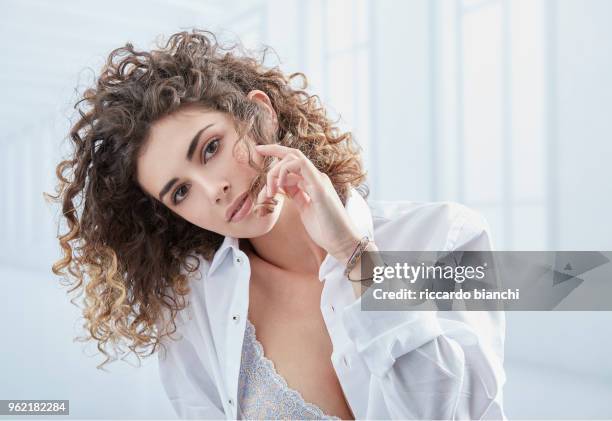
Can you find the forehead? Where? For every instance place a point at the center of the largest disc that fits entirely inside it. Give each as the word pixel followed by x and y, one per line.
pixel 167 129
pixel 163 152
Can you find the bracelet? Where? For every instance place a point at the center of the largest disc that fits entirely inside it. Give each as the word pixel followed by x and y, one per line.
pixel 350 264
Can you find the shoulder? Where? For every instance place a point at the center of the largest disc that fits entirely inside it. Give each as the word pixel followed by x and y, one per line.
pixel 435 225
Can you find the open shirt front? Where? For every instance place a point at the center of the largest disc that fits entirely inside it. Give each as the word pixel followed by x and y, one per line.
pixel 390 364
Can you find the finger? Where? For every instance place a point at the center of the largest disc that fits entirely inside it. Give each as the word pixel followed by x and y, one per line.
pixel 293 189
pixel 269 177
pixel 274 149
pixel 293 185
pixel 297 194
pixel 292 180
pixel 292 167
pixel 301 198
pixel 308 170
pixel 273 173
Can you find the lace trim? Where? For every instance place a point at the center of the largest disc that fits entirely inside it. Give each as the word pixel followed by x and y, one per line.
pixel 270 364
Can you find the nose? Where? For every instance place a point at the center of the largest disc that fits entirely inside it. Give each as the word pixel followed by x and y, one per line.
pixel 222 196
pixel 217 190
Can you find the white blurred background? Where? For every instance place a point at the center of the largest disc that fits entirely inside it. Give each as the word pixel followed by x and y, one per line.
pixel 503 105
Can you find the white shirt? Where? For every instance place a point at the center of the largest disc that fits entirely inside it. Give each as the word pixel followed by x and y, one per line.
pixel 390 364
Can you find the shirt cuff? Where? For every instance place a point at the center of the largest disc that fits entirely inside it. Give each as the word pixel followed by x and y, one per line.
pixel 381 337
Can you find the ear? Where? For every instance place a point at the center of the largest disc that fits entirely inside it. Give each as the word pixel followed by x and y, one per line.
pixel 264 100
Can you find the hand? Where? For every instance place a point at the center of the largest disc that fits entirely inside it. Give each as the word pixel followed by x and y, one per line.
pixel 321 210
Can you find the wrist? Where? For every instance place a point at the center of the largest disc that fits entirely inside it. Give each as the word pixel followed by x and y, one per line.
pixel 344 250
pixel 353 262
pixel 359 279
pixel 355 272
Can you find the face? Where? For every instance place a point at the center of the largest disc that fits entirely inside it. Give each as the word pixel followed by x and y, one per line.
pixel 187 163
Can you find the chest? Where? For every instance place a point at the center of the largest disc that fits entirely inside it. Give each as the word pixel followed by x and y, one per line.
pixel 285 310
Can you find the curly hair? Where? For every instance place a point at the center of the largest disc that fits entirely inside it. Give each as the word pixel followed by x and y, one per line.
pixel 125 250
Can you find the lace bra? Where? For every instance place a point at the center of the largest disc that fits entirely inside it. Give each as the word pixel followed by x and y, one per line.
pixel 263 393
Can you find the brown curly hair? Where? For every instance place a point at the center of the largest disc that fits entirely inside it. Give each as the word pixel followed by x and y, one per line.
pixel 128 252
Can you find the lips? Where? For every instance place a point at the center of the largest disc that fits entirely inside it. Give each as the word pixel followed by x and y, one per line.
pixel 236 204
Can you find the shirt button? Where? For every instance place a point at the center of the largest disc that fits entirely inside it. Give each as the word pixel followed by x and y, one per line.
pixel 236 318
pixel 238 259
pixel 332 308
pixel 231 402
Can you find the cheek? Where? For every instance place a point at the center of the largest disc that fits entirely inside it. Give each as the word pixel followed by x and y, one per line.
pixel 242 155
pixel 203 217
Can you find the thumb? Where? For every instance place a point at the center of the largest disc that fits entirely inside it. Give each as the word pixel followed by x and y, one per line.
pixel 302 199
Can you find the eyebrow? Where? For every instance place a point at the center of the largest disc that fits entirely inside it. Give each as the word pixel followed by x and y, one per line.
pixel 192 147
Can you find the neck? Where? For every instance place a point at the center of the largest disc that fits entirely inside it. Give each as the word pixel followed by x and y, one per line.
pixel 288 245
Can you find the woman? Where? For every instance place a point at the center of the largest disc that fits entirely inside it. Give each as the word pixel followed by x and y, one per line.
pixel 222 221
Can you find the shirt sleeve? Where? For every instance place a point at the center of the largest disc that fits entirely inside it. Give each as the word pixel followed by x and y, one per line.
pixel 186 381
pixel 436 364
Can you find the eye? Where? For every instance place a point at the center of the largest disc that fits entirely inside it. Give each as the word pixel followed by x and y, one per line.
pixel 212 147
pixel 175 200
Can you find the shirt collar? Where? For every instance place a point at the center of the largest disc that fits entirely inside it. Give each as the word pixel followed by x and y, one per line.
pixel 357 209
